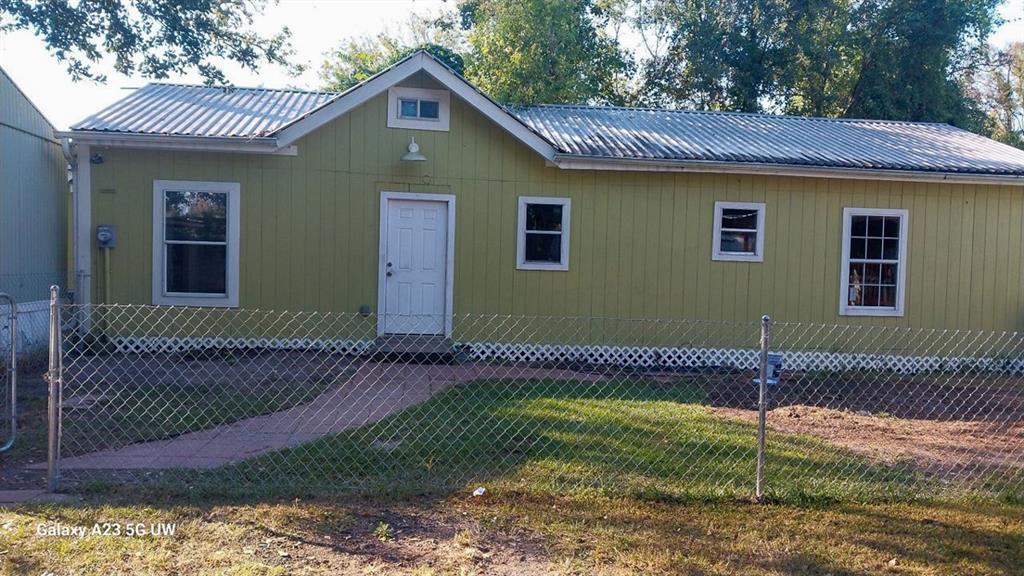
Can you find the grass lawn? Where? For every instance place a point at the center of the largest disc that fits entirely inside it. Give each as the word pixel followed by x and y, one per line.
pixel 581 478
pixel 639 439
pixel 519 533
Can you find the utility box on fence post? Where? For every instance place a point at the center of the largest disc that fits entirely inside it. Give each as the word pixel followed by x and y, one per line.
pixel 774 369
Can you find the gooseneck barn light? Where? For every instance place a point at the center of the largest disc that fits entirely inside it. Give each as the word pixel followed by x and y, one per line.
pixel 413 155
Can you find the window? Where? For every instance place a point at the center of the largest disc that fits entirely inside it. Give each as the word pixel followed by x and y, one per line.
pixel 543 234
pixel 738 231
pixel 195 243
pixel 423 109
pixel 874 262
pixel 418 108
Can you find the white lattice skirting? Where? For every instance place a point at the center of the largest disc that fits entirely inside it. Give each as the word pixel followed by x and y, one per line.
pixel 626 356
pixel 171 345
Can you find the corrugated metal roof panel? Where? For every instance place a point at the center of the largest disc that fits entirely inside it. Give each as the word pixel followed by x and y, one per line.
pixel 600 132
pixel 173 109
pixel 650 134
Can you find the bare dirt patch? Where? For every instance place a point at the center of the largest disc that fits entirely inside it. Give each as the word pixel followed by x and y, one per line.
pixel 931 445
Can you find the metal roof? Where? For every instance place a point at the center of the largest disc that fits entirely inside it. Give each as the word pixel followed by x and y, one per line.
pixel 183 110
pixel 601 133
pixel 673 135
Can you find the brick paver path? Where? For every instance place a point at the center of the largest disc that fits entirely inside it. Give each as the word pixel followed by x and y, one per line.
pixel 375 391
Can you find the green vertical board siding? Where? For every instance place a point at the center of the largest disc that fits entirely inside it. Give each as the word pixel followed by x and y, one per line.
pixel 33 199
pixel 640 242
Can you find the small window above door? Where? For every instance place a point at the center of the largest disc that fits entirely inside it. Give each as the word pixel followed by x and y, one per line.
pixel 418 108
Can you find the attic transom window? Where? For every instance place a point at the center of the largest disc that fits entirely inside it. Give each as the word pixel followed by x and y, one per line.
pixel 418 108
pixel 415 108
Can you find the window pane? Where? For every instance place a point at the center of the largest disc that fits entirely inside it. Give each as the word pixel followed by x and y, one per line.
pixel 870 296
pixel 892 227
pixel 544 248
pixel 875 226
pixel 743 242
pixel 201 216
pixel 888 274
pixel 860 227
pixel 872 273
pixel 858 248
pixel 887 296
pixel 891 250
pixel 874 249
pixel 739 218
pixel 856 274
pixel 855 294
pixel 544 217
pixel 429 109
pixel 407 108
pixel 197 268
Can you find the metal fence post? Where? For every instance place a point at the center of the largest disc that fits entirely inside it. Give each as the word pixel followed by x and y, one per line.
pixel 12 369
pixel 762 403
pixel 54 378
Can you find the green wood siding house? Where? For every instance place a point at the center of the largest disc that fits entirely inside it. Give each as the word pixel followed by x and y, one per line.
pixel 33 207
pixel 415 197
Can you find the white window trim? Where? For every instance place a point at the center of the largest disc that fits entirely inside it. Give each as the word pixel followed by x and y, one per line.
pixel 521 263
pixel 443 98
pixel 844 272
pixel 716 240
pixel 160 294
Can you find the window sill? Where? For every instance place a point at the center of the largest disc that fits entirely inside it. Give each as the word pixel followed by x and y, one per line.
pixel 729 257
pixel 195 301
pixel 542 266
pixel 880 312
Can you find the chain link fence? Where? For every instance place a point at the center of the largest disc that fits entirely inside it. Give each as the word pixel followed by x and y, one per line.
pixel 662 408
pixel 31 292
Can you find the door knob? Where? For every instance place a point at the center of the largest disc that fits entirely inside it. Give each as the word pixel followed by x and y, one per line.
pixel 390 273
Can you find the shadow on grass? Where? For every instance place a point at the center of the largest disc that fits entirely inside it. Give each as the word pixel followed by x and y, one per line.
pixel 642 439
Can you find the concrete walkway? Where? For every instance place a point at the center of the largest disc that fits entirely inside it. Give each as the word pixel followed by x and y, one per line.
pixel 375 391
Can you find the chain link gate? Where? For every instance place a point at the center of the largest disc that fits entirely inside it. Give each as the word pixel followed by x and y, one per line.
pixel 9 364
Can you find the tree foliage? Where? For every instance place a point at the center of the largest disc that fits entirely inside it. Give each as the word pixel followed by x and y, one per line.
pixel 358 59
pixel 895 59
pixel 533 51
pixel 517 51
pixel 918 60
pixel 1001 89
pixel 154 38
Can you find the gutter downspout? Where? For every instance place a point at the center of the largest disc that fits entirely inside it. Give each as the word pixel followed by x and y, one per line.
pixel 81 190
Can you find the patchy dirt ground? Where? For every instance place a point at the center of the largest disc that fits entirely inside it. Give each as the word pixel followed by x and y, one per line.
pixel 931 445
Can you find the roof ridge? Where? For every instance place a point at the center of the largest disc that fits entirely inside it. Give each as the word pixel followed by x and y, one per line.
pixel 233 87
pixel 729 113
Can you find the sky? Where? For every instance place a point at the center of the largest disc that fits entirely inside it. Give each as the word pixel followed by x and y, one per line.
pixel 317 26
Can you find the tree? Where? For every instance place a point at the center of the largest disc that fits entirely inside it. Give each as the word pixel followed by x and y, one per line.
pixel 517 51
pixel 1001 91
pixel 541 51
pixel 896 59
pixel 155 38
pixel 357 59
pixel 913 54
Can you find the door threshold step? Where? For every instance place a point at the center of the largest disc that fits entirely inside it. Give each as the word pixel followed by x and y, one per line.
pixel 402 344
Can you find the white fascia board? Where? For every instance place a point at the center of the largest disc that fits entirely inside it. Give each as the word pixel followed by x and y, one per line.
pixel 575 162
pixel 350 100
pixel 488 108
pixel 382 82
pixel 173 142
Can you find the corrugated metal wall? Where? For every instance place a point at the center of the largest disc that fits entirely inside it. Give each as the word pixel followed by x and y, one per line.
pixel 33 199
pixel 641 242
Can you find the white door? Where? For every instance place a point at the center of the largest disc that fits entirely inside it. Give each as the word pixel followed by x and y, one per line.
pixel 415 267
